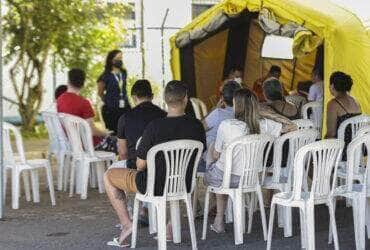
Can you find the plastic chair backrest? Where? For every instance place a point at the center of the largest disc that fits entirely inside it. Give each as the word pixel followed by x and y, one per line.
pixel 9 153
pixel 316 113
pixel 296 140
pixel 79 134
pixel 57 136
pixel 323 156
pixel 355 123
pixel 297 100
pixel 138 142
pixel 177 156
pixel 355 154
pixel 200 109
pixel 254 150
pixel 304 124
pixel 363 131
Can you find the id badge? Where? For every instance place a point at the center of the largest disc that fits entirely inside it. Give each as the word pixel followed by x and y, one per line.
pixel 121 103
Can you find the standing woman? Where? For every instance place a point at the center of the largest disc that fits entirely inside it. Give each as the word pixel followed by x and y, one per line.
pixel 112 90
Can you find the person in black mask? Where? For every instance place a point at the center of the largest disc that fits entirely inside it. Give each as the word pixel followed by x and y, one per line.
pixel 112 90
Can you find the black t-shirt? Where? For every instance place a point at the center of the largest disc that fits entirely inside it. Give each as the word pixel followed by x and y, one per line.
pixel 165 130
pixel 132 124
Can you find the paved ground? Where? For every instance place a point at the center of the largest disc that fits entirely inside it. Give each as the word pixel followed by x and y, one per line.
pixel 89 224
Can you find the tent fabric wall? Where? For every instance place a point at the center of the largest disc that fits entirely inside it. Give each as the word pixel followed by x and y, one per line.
pixel 346 39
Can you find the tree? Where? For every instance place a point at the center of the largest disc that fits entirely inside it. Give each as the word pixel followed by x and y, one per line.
pixel 77 32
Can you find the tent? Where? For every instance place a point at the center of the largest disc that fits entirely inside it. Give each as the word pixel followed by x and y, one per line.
pixel 333 34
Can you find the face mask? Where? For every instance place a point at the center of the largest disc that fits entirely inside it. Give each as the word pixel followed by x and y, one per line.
pixel 117 63
pixel 238 80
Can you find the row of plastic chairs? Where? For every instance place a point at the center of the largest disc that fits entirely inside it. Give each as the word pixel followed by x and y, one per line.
pixel 71 142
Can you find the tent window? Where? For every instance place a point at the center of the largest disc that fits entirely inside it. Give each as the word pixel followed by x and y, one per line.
pixel 277 47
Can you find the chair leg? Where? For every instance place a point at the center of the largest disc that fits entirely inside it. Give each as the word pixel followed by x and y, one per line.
pixel 358 211
pixel 191 223
pixel 310 221
pixel 205 215
pixel 61 170
pixel 152 212
pixel 271 225
pixel 134 223
pixel 243 214
pixel 229 211
pixel 35 185
pixel 330 227
pixel 49 178
pixel 367 214
pixel 72 177
pixel 250 212
pixel 161 219
pixel 67 170
pixel 15 188
pixel 262 212
pixel 287 211
pixel 333 224
pixel 93 174
pixel 175 221
pixel 100 169
pixel 195 197
pixel 26 183
pixel 303 226
pixel 237 211
pixel 5 179
pixel 85 173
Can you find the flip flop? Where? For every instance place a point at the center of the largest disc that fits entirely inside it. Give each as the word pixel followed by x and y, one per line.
pixel 212 227
pixel 115 243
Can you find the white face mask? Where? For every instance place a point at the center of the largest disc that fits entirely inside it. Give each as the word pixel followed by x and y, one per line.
pixel 238 80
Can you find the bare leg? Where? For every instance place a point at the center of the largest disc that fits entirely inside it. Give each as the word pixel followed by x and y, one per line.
pixel 218 223
pixel 119 203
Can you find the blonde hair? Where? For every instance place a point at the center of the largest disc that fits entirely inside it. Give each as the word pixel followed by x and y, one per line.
pixel 247 110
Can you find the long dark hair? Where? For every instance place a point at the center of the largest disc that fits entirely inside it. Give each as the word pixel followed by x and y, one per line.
pixel 246 109
pixel 109 60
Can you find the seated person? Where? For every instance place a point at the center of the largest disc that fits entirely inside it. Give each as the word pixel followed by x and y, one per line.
pixel 273 94
pixel 247 121
pixel 175 126
pixel 223 111
pixel 131 125
pixel 341 107
pixel 70 102
pixel 274 72
pixel 235 74
pixel 303 88
pixel 316 92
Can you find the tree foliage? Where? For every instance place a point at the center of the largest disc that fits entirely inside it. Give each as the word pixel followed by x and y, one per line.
pixel 77 32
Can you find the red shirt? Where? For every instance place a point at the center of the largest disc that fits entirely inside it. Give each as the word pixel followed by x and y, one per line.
pixel 73 104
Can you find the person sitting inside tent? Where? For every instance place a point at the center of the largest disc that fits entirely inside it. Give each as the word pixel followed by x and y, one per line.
pixel 175 126
pixel 71 102
pixel 273 93
pixel 223 111
pixel 247 121
pixel 341 107
pixel 316 92
pixel 274 72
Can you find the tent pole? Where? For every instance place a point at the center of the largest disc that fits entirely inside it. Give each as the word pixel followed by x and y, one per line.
pixel 1 117
pixel 162 48
pixel 293 76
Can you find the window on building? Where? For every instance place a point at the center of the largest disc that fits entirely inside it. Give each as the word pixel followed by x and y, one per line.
pixel 130 13
pixel 130 39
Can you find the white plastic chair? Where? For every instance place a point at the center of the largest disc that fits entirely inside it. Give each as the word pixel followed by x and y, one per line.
pixel 315 116
pixel 58 146
pixel 304 124
pixel 281 179
pixel 357 192
pixel 200 109
pixel 355 123
pixel 22 166
pixel 80 136
pixel 177 156
pixel 324 157
pixel 297 100
pixel 252 148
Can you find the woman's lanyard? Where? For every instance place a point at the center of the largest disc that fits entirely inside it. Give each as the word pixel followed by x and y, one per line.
pixel 120 83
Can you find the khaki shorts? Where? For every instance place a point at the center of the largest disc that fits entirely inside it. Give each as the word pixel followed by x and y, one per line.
pixel 123 179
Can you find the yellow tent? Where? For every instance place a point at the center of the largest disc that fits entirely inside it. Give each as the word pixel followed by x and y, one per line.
pixel 230 35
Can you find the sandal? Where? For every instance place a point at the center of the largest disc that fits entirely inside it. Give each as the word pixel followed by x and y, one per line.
pixel 212 227
pixel 115 243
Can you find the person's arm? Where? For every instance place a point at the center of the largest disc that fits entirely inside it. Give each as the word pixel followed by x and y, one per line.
pixel 219 142
pixel 95 131
pixel 311 94
pixel 331 120
pixel 122 149
pixel 268 113
pixel 101 89
pixel 140 164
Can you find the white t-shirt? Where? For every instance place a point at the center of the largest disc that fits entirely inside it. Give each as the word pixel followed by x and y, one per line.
pixel 316 92
pixel 232 129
